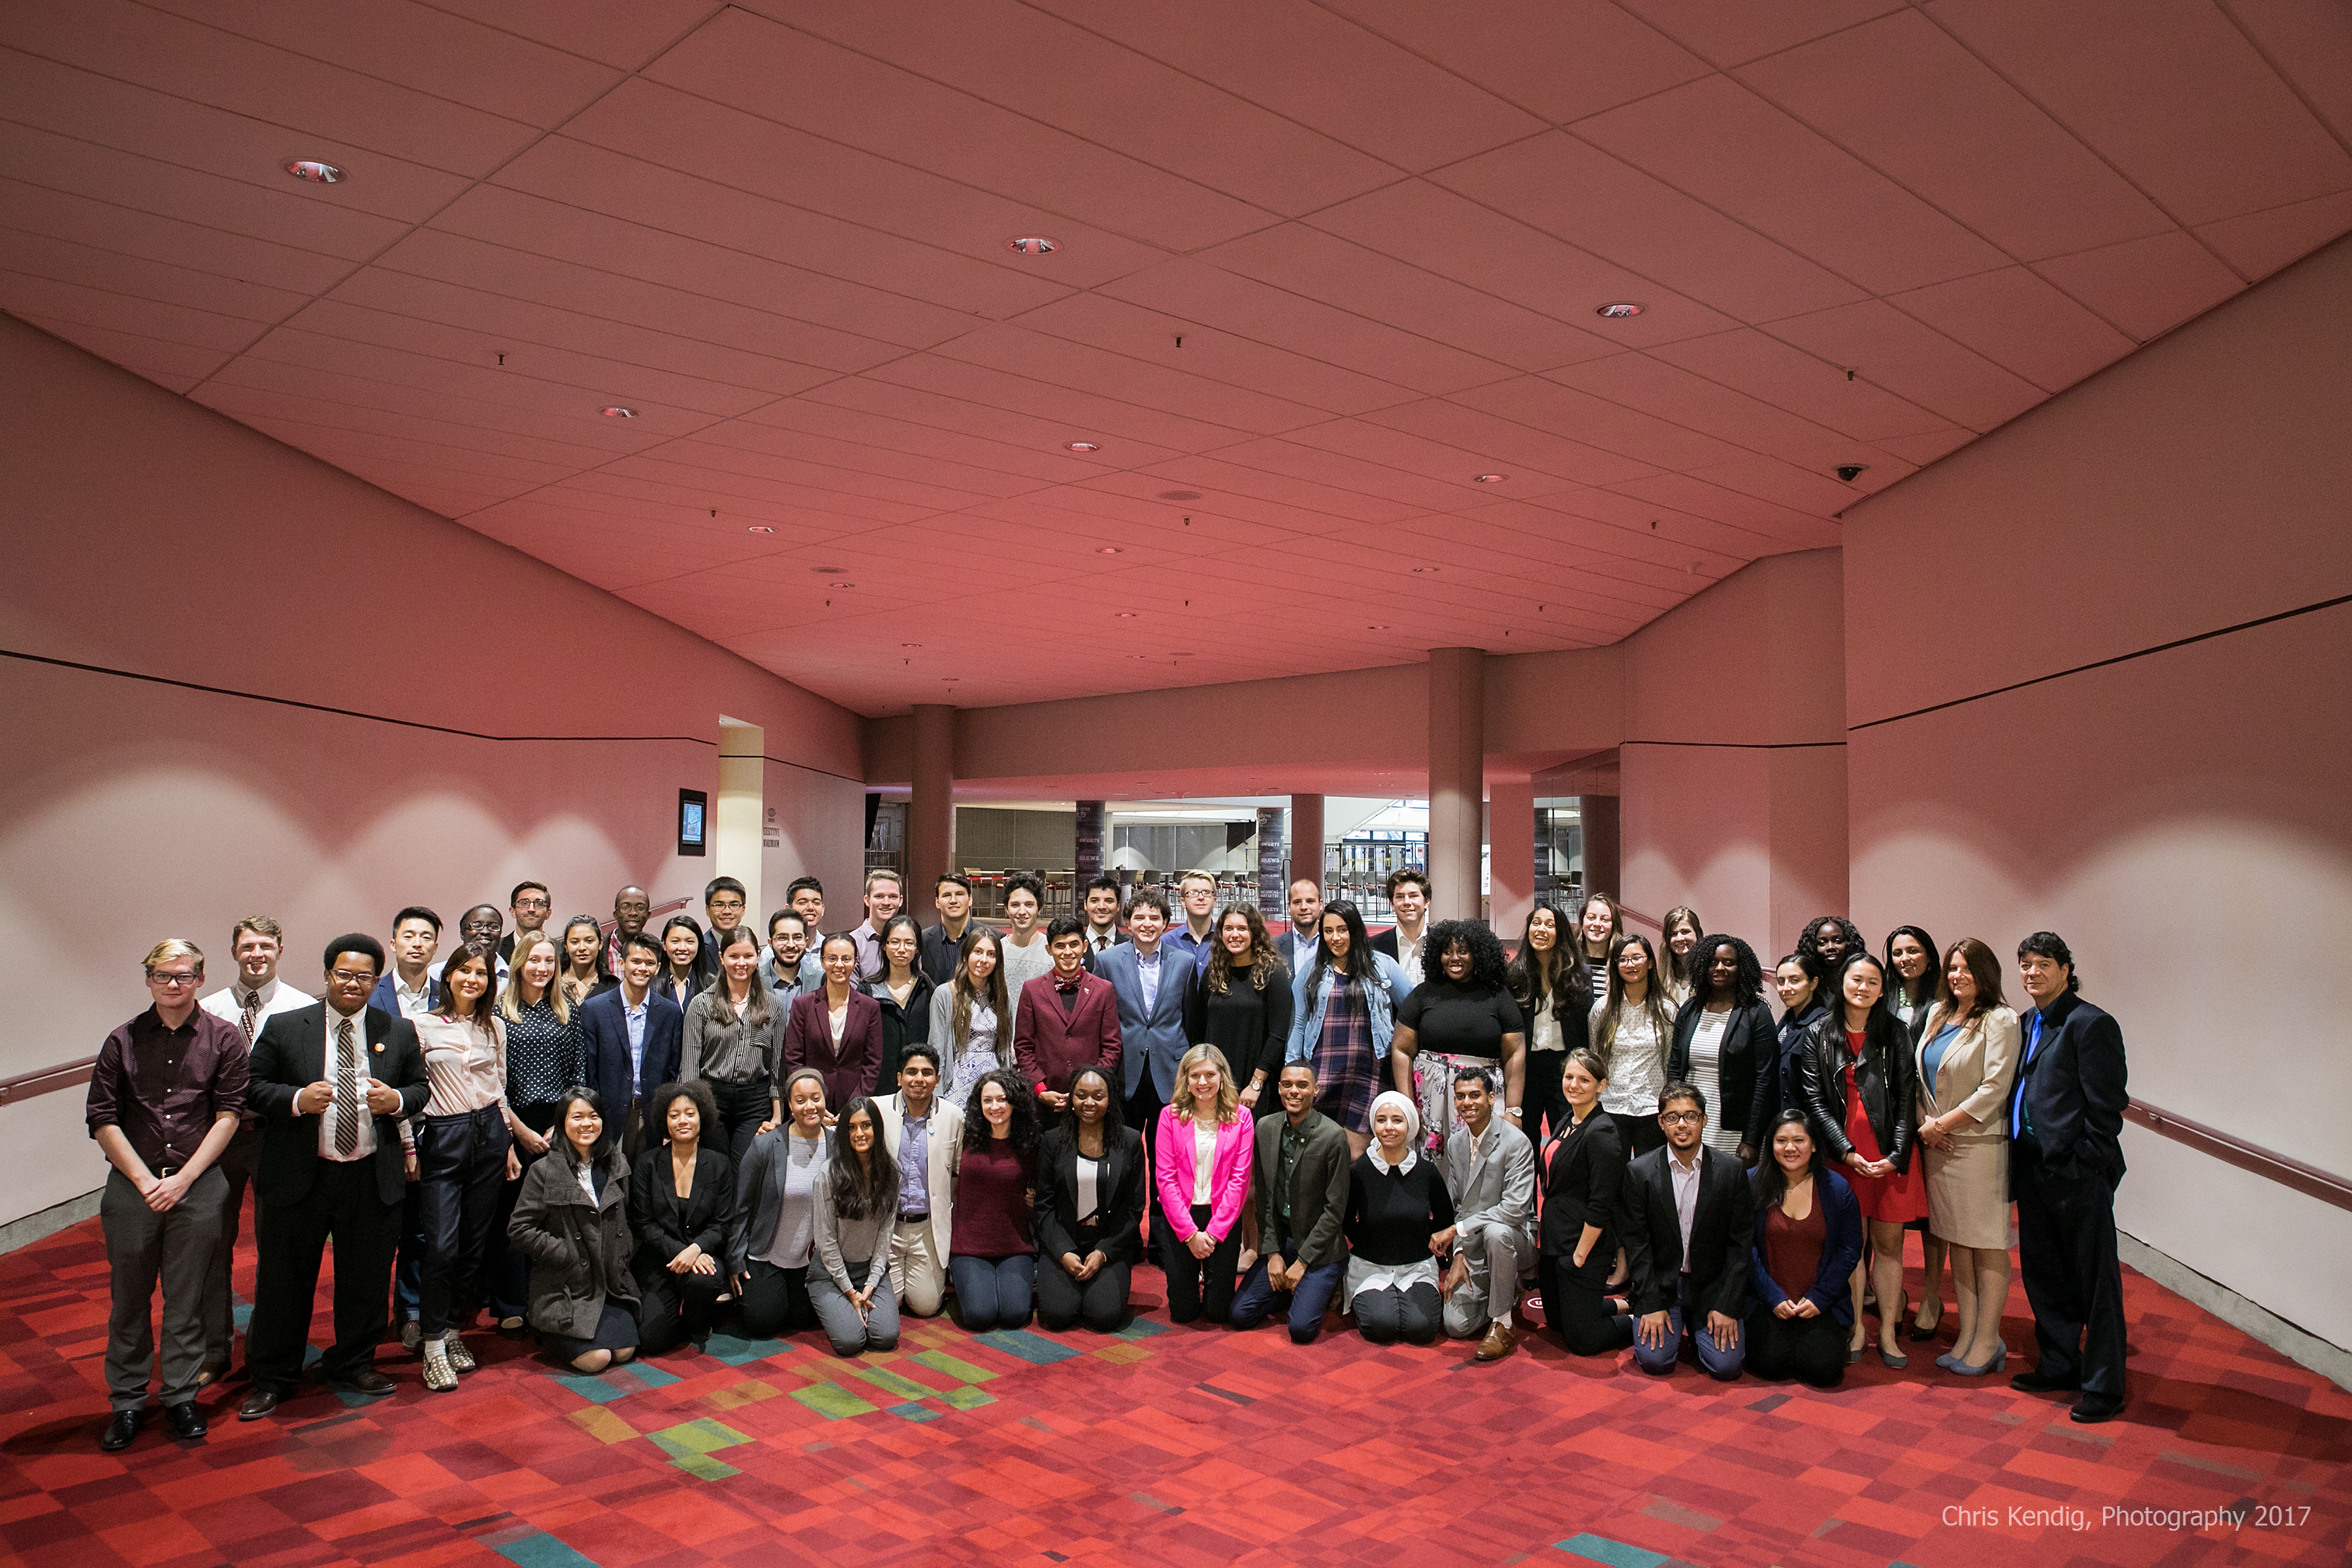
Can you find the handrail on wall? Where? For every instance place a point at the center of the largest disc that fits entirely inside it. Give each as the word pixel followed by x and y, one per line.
pixel 2308 1180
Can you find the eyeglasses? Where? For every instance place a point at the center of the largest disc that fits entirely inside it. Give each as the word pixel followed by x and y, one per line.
pixel 352 977
pixel 154 978
pixel 725 903
pixel 1677 1118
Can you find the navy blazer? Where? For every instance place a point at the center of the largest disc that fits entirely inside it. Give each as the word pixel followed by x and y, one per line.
pixel 1841 1251
pixel 604 1030
pixel 291 1054
pixel 2072 1087
pixel 1157 1037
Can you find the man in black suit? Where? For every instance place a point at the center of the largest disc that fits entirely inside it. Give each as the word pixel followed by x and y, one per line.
pixel 1689 1219
pixel 333 1083
pixel 2065 1157
pixel 634 1035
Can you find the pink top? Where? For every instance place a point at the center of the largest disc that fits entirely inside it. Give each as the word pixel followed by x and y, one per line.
pixel 1229 1174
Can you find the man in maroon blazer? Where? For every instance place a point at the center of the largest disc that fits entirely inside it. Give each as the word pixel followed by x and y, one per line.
pixel 1068 1018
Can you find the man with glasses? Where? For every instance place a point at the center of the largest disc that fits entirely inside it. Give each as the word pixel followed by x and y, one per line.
pixel 1197 892
pixel 784 967
pixel 255 997
pixel 1689 1220
pixel 631 908
pixel 165 1096
pixel 724 902
pixel 334 1082
pixel 531 907
pixel 477 929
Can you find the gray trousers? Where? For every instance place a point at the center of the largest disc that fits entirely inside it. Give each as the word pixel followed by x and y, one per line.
pixel 235 1165
pixel 879 1332
pixel 177 1247
pixel 1496 1252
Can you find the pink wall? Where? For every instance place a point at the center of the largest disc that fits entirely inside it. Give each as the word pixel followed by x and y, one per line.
pixel 2178 815
pixel 151 536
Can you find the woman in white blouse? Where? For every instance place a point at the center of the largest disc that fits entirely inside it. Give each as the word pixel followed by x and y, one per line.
pixel 1631 1028
pixel 1967 1059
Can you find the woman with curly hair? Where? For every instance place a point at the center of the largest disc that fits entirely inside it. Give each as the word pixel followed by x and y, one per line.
pixel 1243 1004
pixel 990 1254
pixel 1829 938
pixel 1723 1036
pixel 1460 1016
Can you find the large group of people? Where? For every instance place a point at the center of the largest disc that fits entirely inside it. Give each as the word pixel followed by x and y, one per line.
pixel 615 1138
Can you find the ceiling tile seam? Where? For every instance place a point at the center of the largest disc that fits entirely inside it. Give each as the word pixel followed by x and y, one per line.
pixel 214 25
pixel 1440 587
pixel 109 330
pixel 650 439
pixel 1239 434
pixel 2105 162
pixel 241 323
pixel 2262 52
pixel 1772 54
pixel 167 267
pixel 421 446
pixel 23 177
pixel 716 8
pixel 1032 481
pixel 1660 512
pixel 1268 110
pixel 1018 375
pixel 1727 561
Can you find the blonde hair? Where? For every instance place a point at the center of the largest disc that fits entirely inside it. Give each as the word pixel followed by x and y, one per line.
pixel 1229 1098
pixel 173 947
pixel 510 1002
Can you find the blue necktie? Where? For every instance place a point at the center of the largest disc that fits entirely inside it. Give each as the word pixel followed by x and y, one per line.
pixel 2019 1125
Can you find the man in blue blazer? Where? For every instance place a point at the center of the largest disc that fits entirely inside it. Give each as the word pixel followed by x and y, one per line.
pixel 635 1037
pixel 1152 981
pixel 2066 1156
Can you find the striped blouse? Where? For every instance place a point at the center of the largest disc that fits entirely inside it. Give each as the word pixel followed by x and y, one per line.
pixel 467 1070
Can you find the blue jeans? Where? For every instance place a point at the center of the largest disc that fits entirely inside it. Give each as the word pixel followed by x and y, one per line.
pixel 994 1292
pixel 1720 1364
pixel 1304 1306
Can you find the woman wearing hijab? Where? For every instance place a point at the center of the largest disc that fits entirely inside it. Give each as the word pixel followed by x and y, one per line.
pixel 1398 1208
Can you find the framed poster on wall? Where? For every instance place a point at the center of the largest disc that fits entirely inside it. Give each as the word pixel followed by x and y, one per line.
pixel 693 821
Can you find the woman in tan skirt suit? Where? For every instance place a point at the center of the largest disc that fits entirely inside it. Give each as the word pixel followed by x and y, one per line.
pixel 1967 1059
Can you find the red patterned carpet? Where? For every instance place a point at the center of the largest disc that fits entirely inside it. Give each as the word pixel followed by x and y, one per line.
pixel 1165 1446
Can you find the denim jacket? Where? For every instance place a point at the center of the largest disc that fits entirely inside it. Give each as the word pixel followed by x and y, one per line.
pixel 1380 1001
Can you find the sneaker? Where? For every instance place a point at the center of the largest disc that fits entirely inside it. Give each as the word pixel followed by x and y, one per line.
pixel 439 1375
pixel 460 1358
pixel 411 1336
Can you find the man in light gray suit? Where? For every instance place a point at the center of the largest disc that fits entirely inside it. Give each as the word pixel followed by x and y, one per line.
pixel 1154 982
pixel 1490 1171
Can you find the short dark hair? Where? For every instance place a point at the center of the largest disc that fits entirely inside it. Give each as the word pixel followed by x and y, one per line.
pixel 957 878
pixel 1110 882
pixel 718 885
pixel 1061 926
pixel 649 944
pixel 793 889
pixel 417 912
pixel 354 941
pixel 1023 882
pixel 786 914
pixel 2049 945
pixel 1304 1064
pixel 1681 1090
pixel 480 909
pixel 918 1048
pixel 1399 878
pixel 656 1118
pixel 1149 899
pixel 523 888
pixel 1476 1075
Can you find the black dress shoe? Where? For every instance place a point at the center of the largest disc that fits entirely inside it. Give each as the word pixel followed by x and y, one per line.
pixel 122 1430
pixel 2093 1408
pixel 259 1403
pixel 187 1421
pixel 2034 1383
pixel 367 1381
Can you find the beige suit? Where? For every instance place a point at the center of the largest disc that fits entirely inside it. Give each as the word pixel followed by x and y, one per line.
pixel 918 1248
pixel 1968 1188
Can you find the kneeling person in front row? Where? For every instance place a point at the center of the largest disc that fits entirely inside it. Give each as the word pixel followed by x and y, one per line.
pixel 1302 1165
pixel 572 1220
pixel 1089 1210
pixel 1490 1171
pixel 1398 1215
pixel 1688 1222
pixel 857 1201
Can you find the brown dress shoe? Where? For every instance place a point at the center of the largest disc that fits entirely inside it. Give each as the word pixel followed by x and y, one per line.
pixel 1500 1341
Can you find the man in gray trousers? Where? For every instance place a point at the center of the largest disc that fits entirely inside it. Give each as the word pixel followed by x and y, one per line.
pixel 1490 1171
pixel 165 1096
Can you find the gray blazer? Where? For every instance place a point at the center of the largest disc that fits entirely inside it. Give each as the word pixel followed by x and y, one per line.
pixel 1493 1179
pixel 1319 1188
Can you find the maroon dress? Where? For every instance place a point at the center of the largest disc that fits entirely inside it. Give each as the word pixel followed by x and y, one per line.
pixel 1897 1199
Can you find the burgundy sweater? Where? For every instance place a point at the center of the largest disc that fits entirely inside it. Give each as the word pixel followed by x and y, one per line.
pixel 992 1207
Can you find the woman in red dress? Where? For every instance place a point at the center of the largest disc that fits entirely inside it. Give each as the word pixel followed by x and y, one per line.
pixel 1854 1080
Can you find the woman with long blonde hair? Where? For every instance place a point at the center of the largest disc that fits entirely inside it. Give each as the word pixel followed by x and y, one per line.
pixel 1203 1178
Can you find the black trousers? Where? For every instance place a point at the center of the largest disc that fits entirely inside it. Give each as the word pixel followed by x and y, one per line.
pixel 1572 1299
pixel 461 1169
pixel 1141 1111
pixel 1201 1287
pixel 1541 1095
pixel 1415 1316
pixel 342 1206
pixel 742 1108
pixel 235 1166
pixel 1811 1350
pixel 776 1301
pixel 2066 1251
pixel 505 1269
pixel 1100 1303
pixel 1641 1133
pixel 671 1307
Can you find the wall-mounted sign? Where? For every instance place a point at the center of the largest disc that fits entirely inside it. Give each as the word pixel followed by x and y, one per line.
pixel 693 821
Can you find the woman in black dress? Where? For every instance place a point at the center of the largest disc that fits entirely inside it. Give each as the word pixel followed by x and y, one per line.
pixel 1243 1004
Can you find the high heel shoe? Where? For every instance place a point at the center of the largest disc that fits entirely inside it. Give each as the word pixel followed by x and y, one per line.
pixel 1895 1360
pixel 1919 1336
pixel 2000 1359
pixel 1945 1360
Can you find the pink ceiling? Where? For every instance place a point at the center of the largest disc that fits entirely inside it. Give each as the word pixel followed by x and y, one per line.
pixel 1321 265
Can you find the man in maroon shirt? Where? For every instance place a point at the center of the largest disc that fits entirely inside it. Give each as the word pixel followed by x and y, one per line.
pixel 164 1099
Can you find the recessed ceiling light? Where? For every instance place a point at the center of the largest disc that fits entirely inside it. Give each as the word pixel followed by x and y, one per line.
pixel 1488 479
pixel 1084 447
pixel 315 172
pixel 1180 495
pixel 1424 568
pixel 1378 629
pixel 1031 245
pixel 1621 310
pixel 1122 615
pixel 828 571
pixel 759 528
pixel 841 584
pixel 617 412
pixel 1109 549
pixel 911 645
pixel 1850 472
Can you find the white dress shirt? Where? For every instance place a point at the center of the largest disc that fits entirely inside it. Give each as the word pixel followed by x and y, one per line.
pixel 331 1064
pixel 272 999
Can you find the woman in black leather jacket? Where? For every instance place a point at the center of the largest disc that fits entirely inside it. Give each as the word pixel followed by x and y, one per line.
pixel 1798 979
pixel 1856 1080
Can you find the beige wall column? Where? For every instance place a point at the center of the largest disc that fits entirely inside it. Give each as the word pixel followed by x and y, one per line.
pixel 738 814
pixel 1458 747
pixel 931 809
pixel 1510 857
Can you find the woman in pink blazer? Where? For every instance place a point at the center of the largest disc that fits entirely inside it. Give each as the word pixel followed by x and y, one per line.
pixel 1203 1172
pixel 836 1030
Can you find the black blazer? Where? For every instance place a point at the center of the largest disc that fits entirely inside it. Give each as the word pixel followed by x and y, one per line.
pixel 290 1056
pixel 2072 1088
pixel 1119 1190
pixel 1749 1048
pixel 936 951
pixel 1571 1006
pixel 1722 1231
pixel 1584 1184
pixel 1776 1071
pixel 902 1027
pixel 1888 1073
pixel 708 1221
